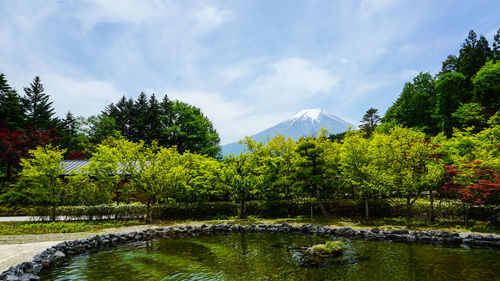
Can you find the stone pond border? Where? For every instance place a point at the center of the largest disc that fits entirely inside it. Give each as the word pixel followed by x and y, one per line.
pixel 56 254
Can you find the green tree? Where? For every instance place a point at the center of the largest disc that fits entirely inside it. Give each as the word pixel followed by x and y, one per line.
pixel 357 169
pixel 82 190
pixel 155 174
pixel 172 123
pixel 470 114
pixel 100 127
pixel 68 133
pixel 449 65
pixel 415 106
pixel 496 46
pixel 243 174
pixel 192 131
pixel 370 120
pixel 473 54
pixel 487 87
pixel 154 120
pixel 310 171
pixel 122 113
pixel 42 171
pixel 11 111
pixel 139 124
pixel 406 165
pixel 198 179
pixel 451 91
pixel 280 151
pixel 38 108
pixel 113 164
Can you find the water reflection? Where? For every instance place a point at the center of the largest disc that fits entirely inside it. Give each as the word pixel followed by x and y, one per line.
pixel 254 256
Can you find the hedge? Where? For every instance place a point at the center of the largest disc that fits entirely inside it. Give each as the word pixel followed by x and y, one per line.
pixel 450 209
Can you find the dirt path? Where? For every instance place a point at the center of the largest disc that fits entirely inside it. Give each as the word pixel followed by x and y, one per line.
pixel 15 249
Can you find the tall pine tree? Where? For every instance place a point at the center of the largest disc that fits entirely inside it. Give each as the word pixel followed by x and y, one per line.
pixel 154 119
pixel 370 120
pixel 37 107
pixel 473 55
pixel 139 119
pixel 496 46
pixel 123 114
pixel 11 110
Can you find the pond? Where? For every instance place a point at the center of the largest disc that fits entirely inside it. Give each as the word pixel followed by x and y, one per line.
pixel 258 256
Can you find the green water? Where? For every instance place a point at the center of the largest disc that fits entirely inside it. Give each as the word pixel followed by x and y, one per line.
pixel 254 256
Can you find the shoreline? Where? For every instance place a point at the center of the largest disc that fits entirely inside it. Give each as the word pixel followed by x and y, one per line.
pixel 16 249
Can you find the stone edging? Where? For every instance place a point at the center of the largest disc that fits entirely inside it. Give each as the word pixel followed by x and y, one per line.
pixel 56 254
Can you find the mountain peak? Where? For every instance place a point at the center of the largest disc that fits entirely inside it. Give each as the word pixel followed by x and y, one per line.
pixel 307 122
pixel 312 113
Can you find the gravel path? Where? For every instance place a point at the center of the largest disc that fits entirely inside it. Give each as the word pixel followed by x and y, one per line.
pixel 15 249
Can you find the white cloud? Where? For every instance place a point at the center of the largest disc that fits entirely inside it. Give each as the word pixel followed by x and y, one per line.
pixel 369 8
pixel 233 72
pixel 208 18
pixel 80 96
pixel 123 11
pixel 292 81
pixel 223 113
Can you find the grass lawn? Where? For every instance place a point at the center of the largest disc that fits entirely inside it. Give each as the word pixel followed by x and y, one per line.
pixel 13 228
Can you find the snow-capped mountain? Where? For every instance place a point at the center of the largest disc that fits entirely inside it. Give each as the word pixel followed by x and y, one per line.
pixel 306 122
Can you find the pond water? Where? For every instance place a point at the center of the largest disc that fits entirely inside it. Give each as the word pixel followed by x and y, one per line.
pixel 257 256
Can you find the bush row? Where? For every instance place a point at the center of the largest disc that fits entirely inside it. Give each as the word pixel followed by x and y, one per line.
pixel 450 209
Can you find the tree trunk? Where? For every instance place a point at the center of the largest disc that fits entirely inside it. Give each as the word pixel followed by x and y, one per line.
pixel 149 213
pixel 367 212
pixel 117 195
pixel 8 172
pixel 431 195
pixel 242 204
pixel 322 208
pixel 467 212
pixel 408 212
pixel 53 213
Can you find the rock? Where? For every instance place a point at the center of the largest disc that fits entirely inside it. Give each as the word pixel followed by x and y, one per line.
pixel 58 256
pixel 38 258
pixel 488 237
pixel 464 235
pixel 375 230
pixel 25 267
pixel 476 236
pixel 29 277
pixel 37 268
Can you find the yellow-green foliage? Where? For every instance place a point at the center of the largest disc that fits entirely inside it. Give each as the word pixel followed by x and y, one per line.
pixel 41 173
pixel 329 248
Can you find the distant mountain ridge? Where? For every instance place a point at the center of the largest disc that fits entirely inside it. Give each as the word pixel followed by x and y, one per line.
pixel 306 122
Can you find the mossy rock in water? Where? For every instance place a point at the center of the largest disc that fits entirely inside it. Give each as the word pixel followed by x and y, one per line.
pixel 329 249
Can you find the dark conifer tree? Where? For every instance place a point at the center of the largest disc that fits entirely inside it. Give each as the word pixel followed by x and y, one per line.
pixel 169 122
pixel 122 113
pixel 496 46
pixel 473 55
pixel 154 119
pixel 370 120
pixel 139 119
pixel 11 110
pixel 37 107
pixel 415 107
pixel 68 133
pixel 449 65
pixel 167 117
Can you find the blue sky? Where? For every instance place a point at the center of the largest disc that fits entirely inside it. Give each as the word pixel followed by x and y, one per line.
pixel 247 64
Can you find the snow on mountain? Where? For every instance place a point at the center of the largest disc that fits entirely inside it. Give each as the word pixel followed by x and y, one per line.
pixel 306 122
